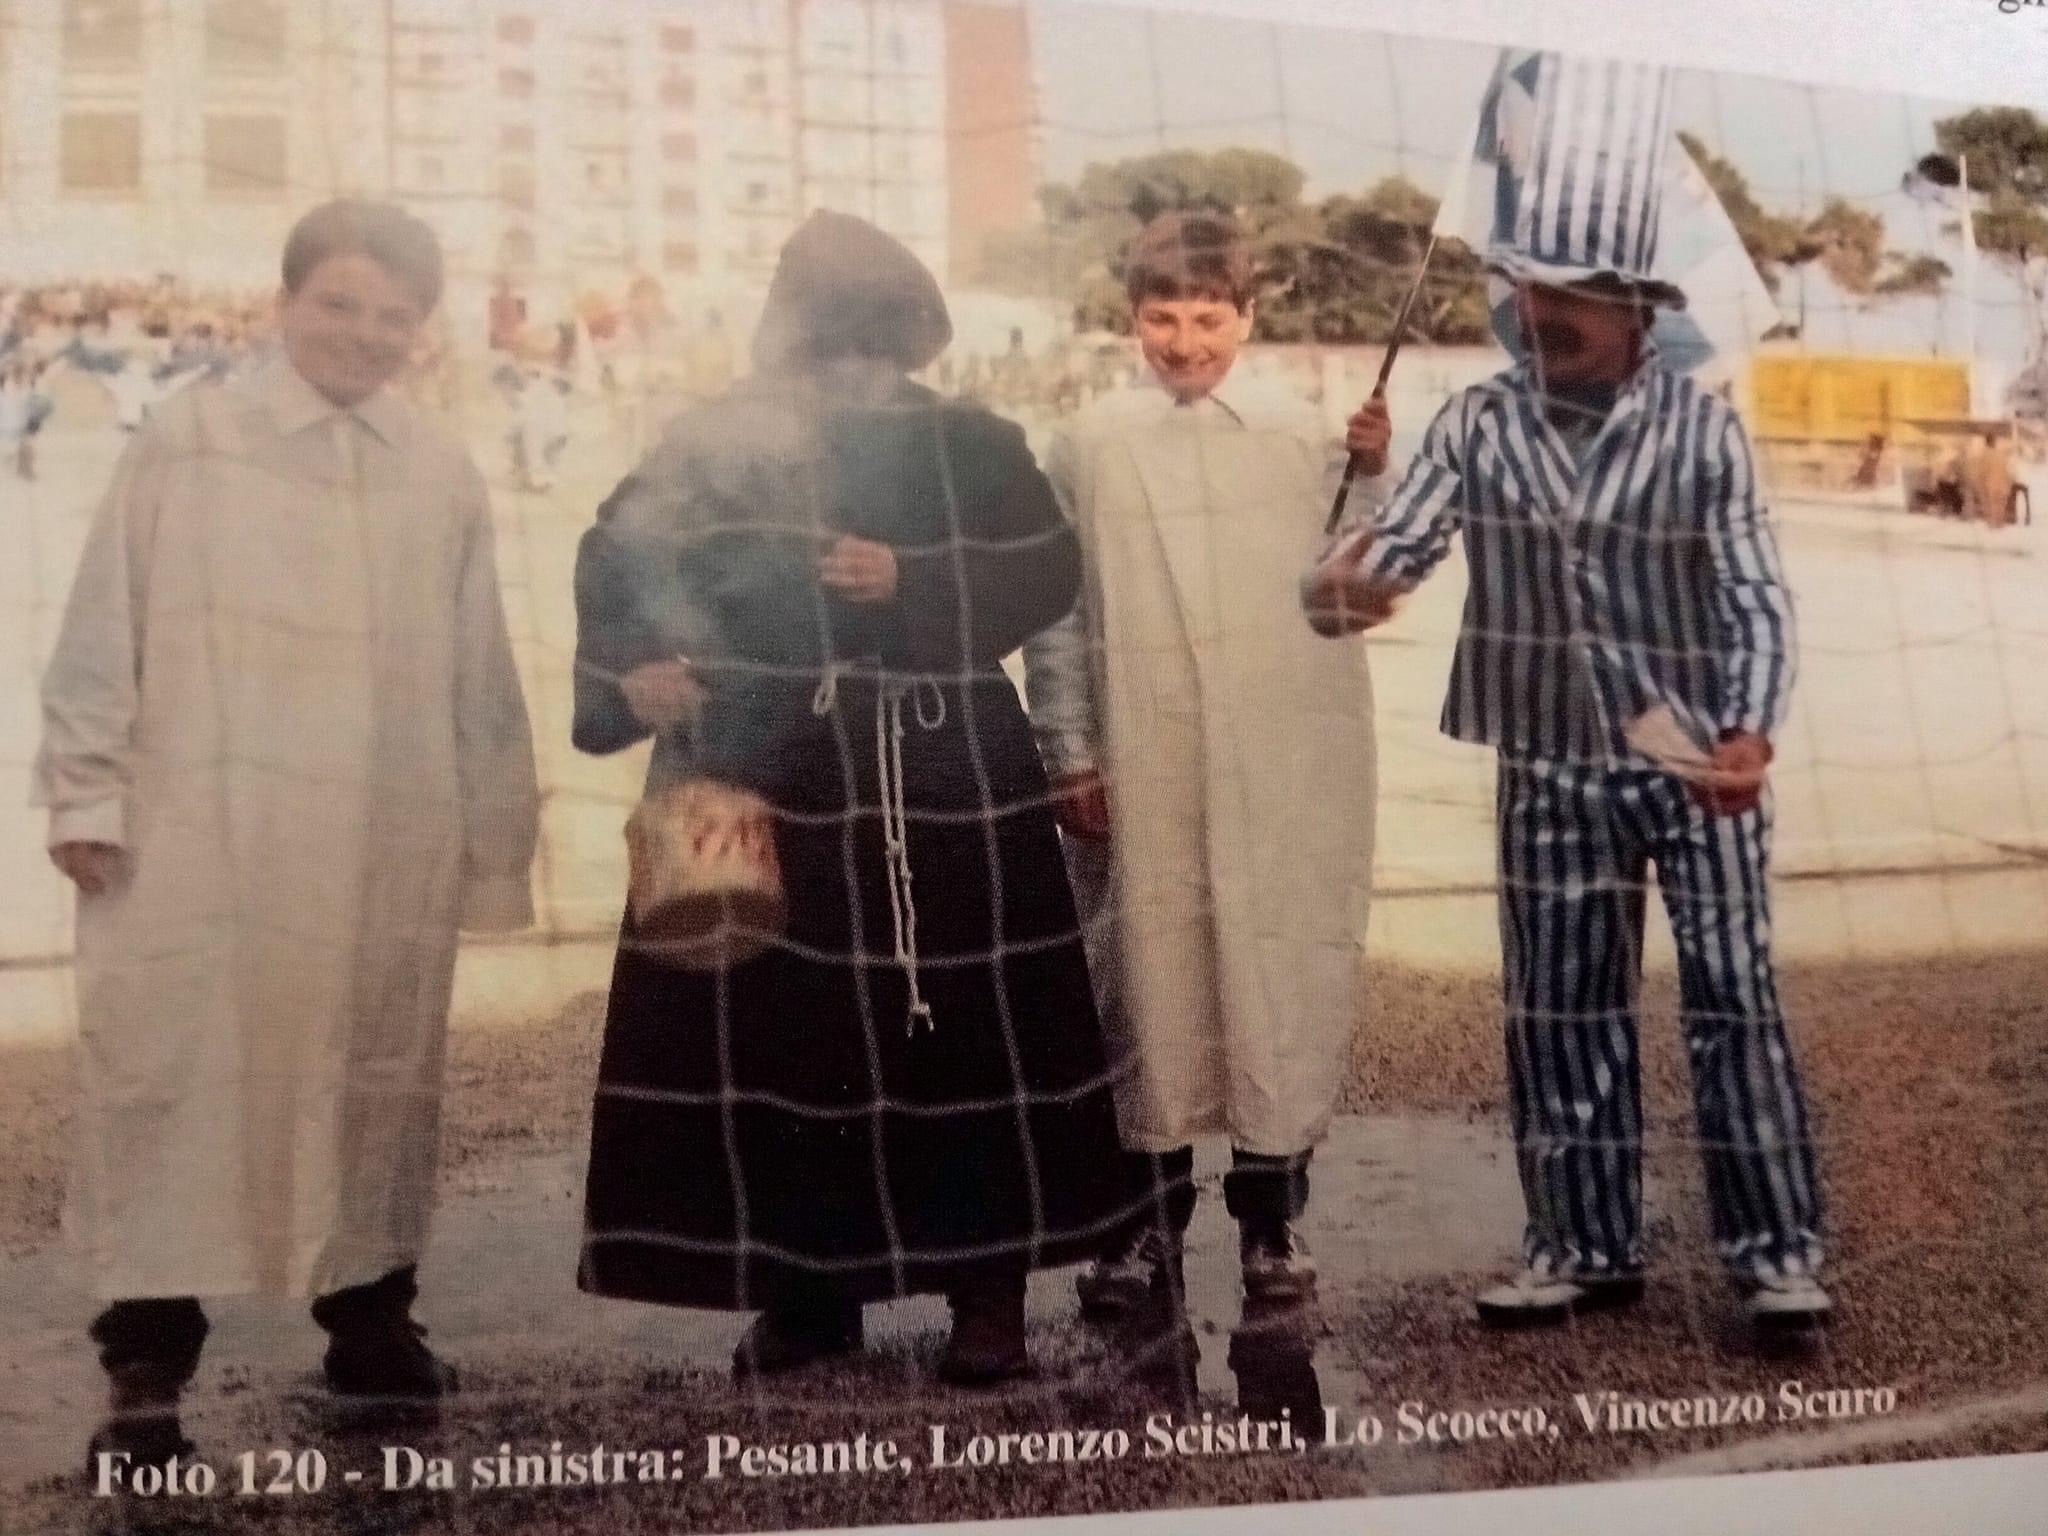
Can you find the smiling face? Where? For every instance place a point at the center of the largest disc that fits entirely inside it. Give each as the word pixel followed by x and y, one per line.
pixel 349 326
pixel 1191 343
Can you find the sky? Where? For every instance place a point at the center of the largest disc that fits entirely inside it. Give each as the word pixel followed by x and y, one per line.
pixel 1350 106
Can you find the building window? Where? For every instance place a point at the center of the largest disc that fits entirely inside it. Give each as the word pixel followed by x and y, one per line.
pixel 516 31
pixel 680 256
pixel 515 186
pixel 103 34
pixel 898 210
pixel 516 83
pixel 599 240
pixel 515 138
pixel 678 39
pixel 678 91
pixel 516 248
pixel 678 146
pixel 245 156
pixel 755 82
pixel 679 200
pixel 757 194
pixel 245 37
pixel 102 152
pixel 432 173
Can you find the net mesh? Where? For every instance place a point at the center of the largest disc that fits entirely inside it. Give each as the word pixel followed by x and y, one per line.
pixel 928 1050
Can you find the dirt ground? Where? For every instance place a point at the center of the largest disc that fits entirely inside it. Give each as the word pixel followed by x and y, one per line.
pixel 1930 1082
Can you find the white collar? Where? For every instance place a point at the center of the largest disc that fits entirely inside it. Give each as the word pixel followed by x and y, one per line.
pixel 296 405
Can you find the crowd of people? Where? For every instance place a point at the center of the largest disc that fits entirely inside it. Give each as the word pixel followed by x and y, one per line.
pixel 140 340
pixel 628 355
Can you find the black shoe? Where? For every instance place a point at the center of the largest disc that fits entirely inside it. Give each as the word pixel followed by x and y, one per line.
pixel 987 1342
pixel 1275 1262
pixel 1144 1267
pixel 387 1359
pixel 149 1438
pixel 142 1414
pixel 789 1338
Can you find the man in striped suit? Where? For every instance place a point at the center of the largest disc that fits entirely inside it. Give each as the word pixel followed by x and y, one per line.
pixel 1627 648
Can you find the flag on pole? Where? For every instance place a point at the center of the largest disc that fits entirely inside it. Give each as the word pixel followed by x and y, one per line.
pixel 1980 407
pixel 1576 171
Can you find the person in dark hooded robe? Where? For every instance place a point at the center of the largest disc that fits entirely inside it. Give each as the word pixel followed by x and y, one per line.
pixel 806 591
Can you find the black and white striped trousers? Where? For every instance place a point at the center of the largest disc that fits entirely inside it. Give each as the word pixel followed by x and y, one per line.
pixel 1575 847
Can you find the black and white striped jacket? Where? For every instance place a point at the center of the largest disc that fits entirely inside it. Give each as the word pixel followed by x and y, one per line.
pixel 1645 573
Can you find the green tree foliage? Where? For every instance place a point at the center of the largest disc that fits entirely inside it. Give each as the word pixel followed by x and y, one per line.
pixel 1851 244
pixel 1334 271
pixel 1337 270
pixel 1918 273
pixel 1341 274
pixel 1772 240
pixel 2007 148
pixel 2007 153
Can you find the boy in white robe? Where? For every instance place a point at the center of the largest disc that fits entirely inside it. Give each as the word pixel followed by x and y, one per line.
pixel 1214 764
pixel 286 757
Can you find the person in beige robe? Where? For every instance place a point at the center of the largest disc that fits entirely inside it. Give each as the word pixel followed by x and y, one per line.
pixel 1214 762
pixel 1989 479
pixel 286 757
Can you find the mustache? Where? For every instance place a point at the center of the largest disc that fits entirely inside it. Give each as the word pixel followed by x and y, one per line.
pixel 1556 338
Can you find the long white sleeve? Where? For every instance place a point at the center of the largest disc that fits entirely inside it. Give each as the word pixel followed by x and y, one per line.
pixel 1059 662
pixel 91 689
pixel 494 744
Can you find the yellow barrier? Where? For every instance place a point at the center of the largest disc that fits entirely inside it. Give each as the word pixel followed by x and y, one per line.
pixel 1846 399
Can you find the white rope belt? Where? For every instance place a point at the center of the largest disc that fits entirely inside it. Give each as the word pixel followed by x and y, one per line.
pixel 930 706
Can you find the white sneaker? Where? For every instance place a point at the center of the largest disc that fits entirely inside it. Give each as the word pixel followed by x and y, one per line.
pixel 1788 1303
pixel 1538 1297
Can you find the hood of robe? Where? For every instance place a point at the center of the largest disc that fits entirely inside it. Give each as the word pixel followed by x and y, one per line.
pixel 844 288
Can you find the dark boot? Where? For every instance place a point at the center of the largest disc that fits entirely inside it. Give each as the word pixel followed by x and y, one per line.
pixel 1267 1195
pixel 787 1338
pixel 987 1344
pixel 375 1349
pixel 142 1419
pixel 1141 1265
pixel 150 1350
pixel 1142 1270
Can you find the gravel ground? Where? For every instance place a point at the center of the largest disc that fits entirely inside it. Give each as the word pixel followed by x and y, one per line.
pixel 1930 1082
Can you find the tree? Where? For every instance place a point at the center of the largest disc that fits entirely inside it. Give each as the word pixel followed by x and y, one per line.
pixel 1850 241
pixel 2007 146
pixel 1772 240
pixel 1916 273
pixel 1335 271
pixel 1343 277
pixel 2006 150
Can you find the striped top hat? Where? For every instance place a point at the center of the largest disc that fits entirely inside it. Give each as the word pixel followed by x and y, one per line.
pixel 1580 150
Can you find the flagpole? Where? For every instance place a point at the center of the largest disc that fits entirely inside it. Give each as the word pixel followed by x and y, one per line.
pixel 1450 218
pixel 1969 232
pixel 1356 462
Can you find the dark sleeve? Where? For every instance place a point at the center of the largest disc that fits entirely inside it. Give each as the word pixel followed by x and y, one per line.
pixel 637 596
pixel 1010 566
pixel 612 637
